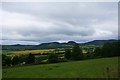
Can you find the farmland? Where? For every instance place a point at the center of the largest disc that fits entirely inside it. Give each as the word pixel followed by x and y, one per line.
pixel 31 51
pixel 98 62
pixel 93 68
pixel 42 51
pixel 43 48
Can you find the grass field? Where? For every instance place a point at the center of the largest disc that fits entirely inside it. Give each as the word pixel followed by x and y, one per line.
pixel 93 68
pixel 5 52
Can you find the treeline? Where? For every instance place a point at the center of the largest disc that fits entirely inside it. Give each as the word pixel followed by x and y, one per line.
pixel 107 50
pixel 110 49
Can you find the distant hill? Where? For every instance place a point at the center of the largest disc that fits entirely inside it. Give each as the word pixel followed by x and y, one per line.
pixel 17 47
pixel 98 42
pixel 55 45
pixel 52 45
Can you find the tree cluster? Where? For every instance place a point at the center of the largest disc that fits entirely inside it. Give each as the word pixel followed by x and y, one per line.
pixel 75 53
pixel 108 50
pixel 17 60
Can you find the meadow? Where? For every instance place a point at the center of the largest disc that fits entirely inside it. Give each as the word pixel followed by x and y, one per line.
pixel 92 68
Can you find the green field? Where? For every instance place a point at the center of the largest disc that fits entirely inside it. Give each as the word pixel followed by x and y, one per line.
pixel 93 68
pixel 5 52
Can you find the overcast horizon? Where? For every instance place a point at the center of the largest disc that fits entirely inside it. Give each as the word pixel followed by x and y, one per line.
pixel 42 22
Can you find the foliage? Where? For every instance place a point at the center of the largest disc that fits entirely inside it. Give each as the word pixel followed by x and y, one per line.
pixel 88 55
pixel 15 60
pixel 6 60
pixel 31 58
pixel 68 54
pixel 41 58
pixel 3 59
pixel 77 53
pixel 97 52
pixel 111 49
pixel 53 58
pixel 23 58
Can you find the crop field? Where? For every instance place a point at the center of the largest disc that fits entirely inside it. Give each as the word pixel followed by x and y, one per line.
pixel 30 51
pixel 93 68
pixel 8 52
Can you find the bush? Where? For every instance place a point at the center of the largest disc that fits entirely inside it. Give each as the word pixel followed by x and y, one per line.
pixel 3 59
pixel 97 52
pixel 89 55
pixel 62 60
pixel 53 58
pixel 23 58
pixel 31 59
pixel 6 60
pixel 15 60
pixel 68 54
pixel 40 58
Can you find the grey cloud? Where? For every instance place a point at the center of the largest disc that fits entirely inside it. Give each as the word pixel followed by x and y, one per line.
pixel 44 22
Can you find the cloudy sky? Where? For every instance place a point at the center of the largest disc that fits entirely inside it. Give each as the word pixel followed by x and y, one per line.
pixel 37 22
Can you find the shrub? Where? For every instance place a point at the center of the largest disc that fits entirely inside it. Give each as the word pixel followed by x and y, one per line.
pixel 31 59
pixel 6 60
pixel 15 60
pixel 68 54
pixel 53 58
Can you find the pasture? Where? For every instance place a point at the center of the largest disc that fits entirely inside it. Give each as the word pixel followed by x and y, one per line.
pixel 92 68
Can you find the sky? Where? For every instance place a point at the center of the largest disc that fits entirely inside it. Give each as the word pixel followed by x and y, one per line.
pixel 38 22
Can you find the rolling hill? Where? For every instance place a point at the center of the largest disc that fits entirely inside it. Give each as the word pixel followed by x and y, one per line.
pixel 53 45
pixel 98 42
